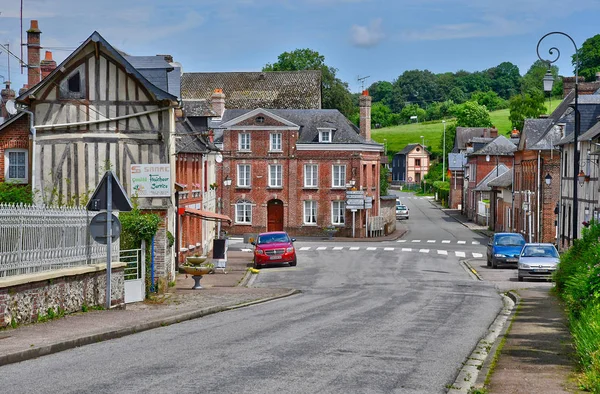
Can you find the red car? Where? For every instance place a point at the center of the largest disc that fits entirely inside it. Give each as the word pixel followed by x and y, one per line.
pixel 274 248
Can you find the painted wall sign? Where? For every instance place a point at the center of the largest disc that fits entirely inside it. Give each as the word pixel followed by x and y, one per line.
pixel 151 180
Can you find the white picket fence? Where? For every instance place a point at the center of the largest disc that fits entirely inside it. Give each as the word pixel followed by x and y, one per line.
pixel 38 238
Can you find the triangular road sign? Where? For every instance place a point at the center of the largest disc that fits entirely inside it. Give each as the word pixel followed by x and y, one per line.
pixel 120 201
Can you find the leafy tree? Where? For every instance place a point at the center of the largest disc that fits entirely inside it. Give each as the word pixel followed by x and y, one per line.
pixel 335 92
pixel 506 79
pixel 382 92
pixel 446 83
pixel 380 115
pixel 471 114
pixel 457 95
pixel 450 136
pixel 472 82
pixel 418 86
pixel 589 58
pixel 412 110
pixel 534 78
pixel 383 181
pixel 489 99
pixel 526 106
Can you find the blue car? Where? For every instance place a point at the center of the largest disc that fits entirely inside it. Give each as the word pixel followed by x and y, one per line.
pixel 504 249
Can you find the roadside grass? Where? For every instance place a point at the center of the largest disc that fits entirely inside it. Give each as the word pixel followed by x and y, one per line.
pixel 397 137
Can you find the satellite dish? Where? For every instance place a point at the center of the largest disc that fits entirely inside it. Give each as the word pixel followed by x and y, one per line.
pixel 11 107
pixel 219 158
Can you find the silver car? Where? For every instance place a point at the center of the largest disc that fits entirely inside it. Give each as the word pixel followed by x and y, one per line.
pixel 401 212
pixel 538 261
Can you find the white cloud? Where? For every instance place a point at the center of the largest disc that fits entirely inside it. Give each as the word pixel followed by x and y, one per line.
pixel 367 36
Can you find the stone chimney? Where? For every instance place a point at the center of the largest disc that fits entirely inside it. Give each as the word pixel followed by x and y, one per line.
pixel 7 94
pixel 365 115
pixel 33 54
pixel 218 102
pixel 47 65
pixel 493 132
pixel 515 133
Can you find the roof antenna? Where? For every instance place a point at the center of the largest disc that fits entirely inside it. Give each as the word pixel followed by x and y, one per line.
pixel 361 80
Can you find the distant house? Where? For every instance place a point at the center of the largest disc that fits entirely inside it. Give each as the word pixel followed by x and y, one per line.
pixel 411 164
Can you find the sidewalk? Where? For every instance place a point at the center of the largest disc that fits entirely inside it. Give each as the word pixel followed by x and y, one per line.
pixel 536 356
pixel 221 292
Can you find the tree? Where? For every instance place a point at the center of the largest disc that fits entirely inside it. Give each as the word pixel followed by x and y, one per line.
pixel 471 114
pixel 335 92
pixel 526 106
pixel 418 86
pixel 489 99
pixel 472 82
pixel 534 78
pixel 506 79
pixel 450 136
pixel 412 110
pixel 589 58
pixel 382 92
pixel 380 115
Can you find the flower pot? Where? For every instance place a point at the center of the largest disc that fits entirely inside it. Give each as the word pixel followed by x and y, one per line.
pixel 197 270
pixel 196 260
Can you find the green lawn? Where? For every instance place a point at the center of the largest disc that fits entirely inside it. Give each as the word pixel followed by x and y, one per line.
pixel 397 137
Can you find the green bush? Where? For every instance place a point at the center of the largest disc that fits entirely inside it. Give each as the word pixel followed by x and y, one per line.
pixel 12 193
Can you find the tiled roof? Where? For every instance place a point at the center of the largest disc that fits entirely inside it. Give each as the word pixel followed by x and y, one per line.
pixel 500 146
pixel 251 90
pixel 549 140
pixel 408 148
pixel 464 135
pixel 497 171
pixel 189 140
pixel 533 130
pixel 456 161
pixel 504 180
pixel 198 108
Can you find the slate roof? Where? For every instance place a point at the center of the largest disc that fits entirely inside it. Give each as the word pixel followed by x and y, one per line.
pixel 500 146
pixel 504 180
pixel 533 131
pixel 464 135
pixel 408 148
pixel 189 140
pixel 497 171
pixel 591 133
pixel 198 108
pixel 309 120
pixel 251 90
pixel 589 113
pixel 549 140
pixel 456 161
pixel 158 93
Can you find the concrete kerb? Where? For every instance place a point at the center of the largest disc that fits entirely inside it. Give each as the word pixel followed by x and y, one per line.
pixel 478 365
pixel 467 265
pixel 114 334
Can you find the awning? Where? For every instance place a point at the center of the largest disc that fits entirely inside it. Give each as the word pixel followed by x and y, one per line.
pixel 211 216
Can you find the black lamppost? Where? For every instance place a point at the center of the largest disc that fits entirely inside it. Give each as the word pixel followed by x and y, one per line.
pixel 548 87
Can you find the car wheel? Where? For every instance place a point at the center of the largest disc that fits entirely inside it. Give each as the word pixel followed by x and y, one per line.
pixel 520 279
pixel 293 263
pixel 255 265
pixel 494 265
pixel 489 263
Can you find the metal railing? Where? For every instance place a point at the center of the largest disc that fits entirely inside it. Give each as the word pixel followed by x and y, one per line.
pixel 38 238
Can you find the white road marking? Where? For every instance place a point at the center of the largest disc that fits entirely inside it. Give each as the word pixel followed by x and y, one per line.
pixel 322 248
pixel 338 248
pixel 462 242
pixel 401 241
pixel 445 242
pixel 416 241
pixel 406 249
pixel 477 255
pixel 388 248
pixel 431 241
pixel 371 248
pixel 424 250
pixel 460 254
pixel 354 248
pixel 305 248
pixel 246 250
pixel 444 252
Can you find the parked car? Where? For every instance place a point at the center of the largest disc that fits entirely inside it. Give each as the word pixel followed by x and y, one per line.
pixel 274 248
pixel 401 212
pixel 504 248
pixel 538 261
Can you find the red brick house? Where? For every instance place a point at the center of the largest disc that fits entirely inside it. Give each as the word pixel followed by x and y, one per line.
pixel 290 168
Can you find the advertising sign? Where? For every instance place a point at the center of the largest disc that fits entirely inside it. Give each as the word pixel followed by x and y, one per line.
pixel 151 180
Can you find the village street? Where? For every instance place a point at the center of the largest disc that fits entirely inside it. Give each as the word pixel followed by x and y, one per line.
pixel 377 319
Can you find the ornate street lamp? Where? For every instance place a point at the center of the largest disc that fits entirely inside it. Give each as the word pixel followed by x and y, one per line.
pixel 548 87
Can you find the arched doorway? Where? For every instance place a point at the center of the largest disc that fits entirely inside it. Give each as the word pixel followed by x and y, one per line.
pixel 275 215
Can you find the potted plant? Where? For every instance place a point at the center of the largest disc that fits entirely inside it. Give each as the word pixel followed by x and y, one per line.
pixel 330 231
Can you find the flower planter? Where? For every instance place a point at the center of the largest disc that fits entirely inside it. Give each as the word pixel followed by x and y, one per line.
pixel 196 270
pixel 196 260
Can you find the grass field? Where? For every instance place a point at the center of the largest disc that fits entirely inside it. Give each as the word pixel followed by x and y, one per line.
pixel 397 137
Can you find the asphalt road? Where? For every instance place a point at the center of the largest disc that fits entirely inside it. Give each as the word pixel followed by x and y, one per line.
pixel 378 319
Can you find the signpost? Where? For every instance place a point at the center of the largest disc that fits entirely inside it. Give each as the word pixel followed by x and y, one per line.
pixel 105 198
pixel 151 180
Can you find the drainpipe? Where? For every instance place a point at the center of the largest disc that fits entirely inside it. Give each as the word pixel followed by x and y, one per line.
pixel 540 188
pixel 33 135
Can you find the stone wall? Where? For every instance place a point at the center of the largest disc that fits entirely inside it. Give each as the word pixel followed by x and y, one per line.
pixel 388 211
pixel 25 298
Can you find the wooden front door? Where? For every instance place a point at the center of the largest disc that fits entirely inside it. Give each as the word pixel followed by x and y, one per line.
pixel 275 215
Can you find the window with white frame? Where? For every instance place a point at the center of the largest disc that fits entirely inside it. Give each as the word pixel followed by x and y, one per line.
pixel 339 176
pixel 244 141
pixel 275 139
pixel 310 212
pixel 243 212
pixel 275 175
pixel 310 175
pixel 243 175
pixel 15 165
pixel 325 135
pixel 338 211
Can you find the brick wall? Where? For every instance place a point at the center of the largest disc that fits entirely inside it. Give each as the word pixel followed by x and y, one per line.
pixel 14 136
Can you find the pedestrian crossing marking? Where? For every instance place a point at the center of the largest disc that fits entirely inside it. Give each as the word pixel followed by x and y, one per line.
pixel 431 241
pixel 460 254
pixel 406 249
pixel 444 252
pixel 371 248
pixel 416 241
pixel 475 243
pixel 389 249
pixel 305 248
pixel 445 241
pixel 477 255
pixel 337 248
pixel 424 250
pixel 354 248
pixel 461 242
pixel 246 250
pixel 401 241
pixel 322 248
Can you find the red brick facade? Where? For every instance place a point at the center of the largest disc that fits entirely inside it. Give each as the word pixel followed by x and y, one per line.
pixel 482 168
pixel 14 135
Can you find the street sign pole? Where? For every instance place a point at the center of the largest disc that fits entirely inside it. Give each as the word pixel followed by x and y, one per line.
pixel 353 221
pixel 108 237
pixel 367 222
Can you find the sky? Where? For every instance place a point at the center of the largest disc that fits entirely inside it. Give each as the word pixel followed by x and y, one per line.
pixel 377 39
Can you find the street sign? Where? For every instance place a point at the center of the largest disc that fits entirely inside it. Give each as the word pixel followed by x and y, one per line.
pixel 355 193
pixel 368 202
pixel 98 228
pixel 120 201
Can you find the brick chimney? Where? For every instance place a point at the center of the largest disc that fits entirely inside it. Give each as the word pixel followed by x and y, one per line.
pixel 514 133
pixel 365 115
pixel 33 54
pixel 218 102
pixel 7 94
pixel 23 89
pixel 493 132
pixel 47 65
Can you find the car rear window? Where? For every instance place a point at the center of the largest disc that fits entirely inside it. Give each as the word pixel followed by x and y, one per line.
pixel 510 240
pixel 401 207
pixel 272 238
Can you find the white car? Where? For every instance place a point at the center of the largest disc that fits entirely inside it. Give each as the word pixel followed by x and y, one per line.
pixel 538 261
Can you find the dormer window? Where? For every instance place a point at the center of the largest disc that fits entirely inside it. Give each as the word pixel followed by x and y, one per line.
pixel 73 85
pixel 325 135
pixel 260 119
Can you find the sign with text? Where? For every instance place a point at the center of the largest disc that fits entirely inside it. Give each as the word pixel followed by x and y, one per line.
pixel 151 180
pixel 368 202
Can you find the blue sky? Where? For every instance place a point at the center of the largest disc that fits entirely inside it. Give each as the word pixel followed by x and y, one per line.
pixel 375 38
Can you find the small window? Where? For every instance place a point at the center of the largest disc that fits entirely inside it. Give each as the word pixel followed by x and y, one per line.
pixel 311 172
pixel 15 165
pixel 243 212
pixel 74 83
pixel 244 141
pixel 338 212
pixel 275 142
pixel 243 175
pixel 310 212
pixel 418 162
pixel 260 119
pixel 72 86
pixel 325 136
pixel 339 176
pixel 275 175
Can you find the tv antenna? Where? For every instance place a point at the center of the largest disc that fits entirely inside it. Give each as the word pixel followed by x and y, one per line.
pixel 361 80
